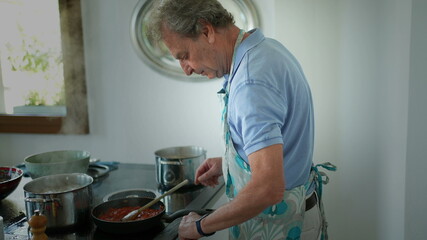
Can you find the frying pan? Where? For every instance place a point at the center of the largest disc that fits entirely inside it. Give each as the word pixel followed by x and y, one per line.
pixel 136 225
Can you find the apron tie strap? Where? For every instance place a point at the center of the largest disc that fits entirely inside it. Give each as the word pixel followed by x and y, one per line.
pixel 321 178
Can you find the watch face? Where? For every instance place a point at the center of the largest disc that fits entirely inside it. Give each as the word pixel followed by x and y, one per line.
pixel 157 56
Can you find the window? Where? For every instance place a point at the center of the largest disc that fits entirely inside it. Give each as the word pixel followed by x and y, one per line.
pixel 42 63
pixel 31 57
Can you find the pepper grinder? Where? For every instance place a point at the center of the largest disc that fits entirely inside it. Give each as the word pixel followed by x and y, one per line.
pixel 38 225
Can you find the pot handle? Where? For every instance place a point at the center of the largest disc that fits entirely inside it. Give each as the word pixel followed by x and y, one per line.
pixel 42 200
pixel 183 212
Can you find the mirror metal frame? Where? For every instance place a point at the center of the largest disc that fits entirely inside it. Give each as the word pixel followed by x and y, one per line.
pixel 147 52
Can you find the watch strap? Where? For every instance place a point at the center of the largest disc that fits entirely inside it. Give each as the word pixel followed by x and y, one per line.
pixel 199 227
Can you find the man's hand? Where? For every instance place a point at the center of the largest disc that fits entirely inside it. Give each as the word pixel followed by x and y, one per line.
pixel 209 172
pixel 187 227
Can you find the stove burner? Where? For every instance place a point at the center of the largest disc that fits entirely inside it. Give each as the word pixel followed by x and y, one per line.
pixel 127 193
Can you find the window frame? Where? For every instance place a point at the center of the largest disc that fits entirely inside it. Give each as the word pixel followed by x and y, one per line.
pixel 76 120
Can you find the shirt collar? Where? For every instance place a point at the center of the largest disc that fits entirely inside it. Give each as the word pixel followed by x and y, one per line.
pixel 251 41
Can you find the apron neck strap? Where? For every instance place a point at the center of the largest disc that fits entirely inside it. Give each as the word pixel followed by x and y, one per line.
pixel 236 45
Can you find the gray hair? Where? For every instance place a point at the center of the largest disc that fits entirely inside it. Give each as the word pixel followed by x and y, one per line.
pixel 185 17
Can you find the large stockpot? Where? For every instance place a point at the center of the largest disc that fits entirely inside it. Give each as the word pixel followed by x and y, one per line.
pixel 175 164
pixel 65 199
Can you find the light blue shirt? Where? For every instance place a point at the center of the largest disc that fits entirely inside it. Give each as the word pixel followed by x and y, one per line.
pixel 270 103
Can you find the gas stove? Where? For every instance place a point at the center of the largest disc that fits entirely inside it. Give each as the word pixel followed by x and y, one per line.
pixel 128 180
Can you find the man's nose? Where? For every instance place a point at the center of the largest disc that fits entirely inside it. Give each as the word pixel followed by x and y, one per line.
pixel 185 67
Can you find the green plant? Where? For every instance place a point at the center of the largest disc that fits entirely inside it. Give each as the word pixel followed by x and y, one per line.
pixel 31 55
pixel 34 98
pixel 59 98
pixel 35 58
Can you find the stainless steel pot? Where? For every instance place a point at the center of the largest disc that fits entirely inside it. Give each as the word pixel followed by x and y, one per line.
pixel 175 164
pixel 65 199
pixel 57 162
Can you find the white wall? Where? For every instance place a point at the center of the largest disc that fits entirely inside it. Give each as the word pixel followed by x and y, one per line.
pixel 357 58
pixel 416 164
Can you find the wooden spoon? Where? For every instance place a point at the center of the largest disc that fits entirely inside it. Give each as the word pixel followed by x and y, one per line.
pixel 132 215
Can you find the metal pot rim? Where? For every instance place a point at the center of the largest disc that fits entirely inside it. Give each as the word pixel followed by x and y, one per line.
pixel 166 152
pixel 41 179
pixel 35 158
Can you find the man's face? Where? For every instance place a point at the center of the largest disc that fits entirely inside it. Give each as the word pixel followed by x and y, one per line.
pixel 195 55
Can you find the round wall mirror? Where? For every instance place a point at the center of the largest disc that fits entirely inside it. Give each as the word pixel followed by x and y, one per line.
pixel 157 56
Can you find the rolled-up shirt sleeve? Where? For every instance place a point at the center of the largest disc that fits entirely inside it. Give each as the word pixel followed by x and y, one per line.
pixel 256 116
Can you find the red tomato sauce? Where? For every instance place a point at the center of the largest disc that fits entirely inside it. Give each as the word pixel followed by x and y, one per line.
pixel 116 214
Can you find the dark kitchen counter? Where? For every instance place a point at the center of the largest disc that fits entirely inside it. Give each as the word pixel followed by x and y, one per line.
pixel 126 176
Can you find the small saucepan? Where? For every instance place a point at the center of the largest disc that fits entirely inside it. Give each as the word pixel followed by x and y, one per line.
pixel 175 164
pixel 135 226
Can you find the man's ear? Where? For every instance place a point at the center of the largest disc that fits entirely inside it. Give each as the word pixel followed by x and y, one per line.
pixel 208 31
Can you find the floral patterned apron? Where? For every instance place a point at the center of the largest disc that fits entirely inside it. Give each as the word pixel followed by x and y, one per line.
pixel 281 221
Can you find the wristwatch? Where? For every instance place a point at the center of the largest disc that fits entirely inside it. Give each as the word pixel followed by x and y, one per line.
pixel 199 227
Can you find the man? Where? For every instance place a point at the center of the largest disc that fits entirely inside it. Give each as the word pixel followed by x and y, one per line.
pixel 268 124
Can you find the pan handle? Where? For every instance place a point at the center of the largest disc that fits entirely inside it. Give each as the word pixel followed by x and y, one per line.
pixel 183 212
